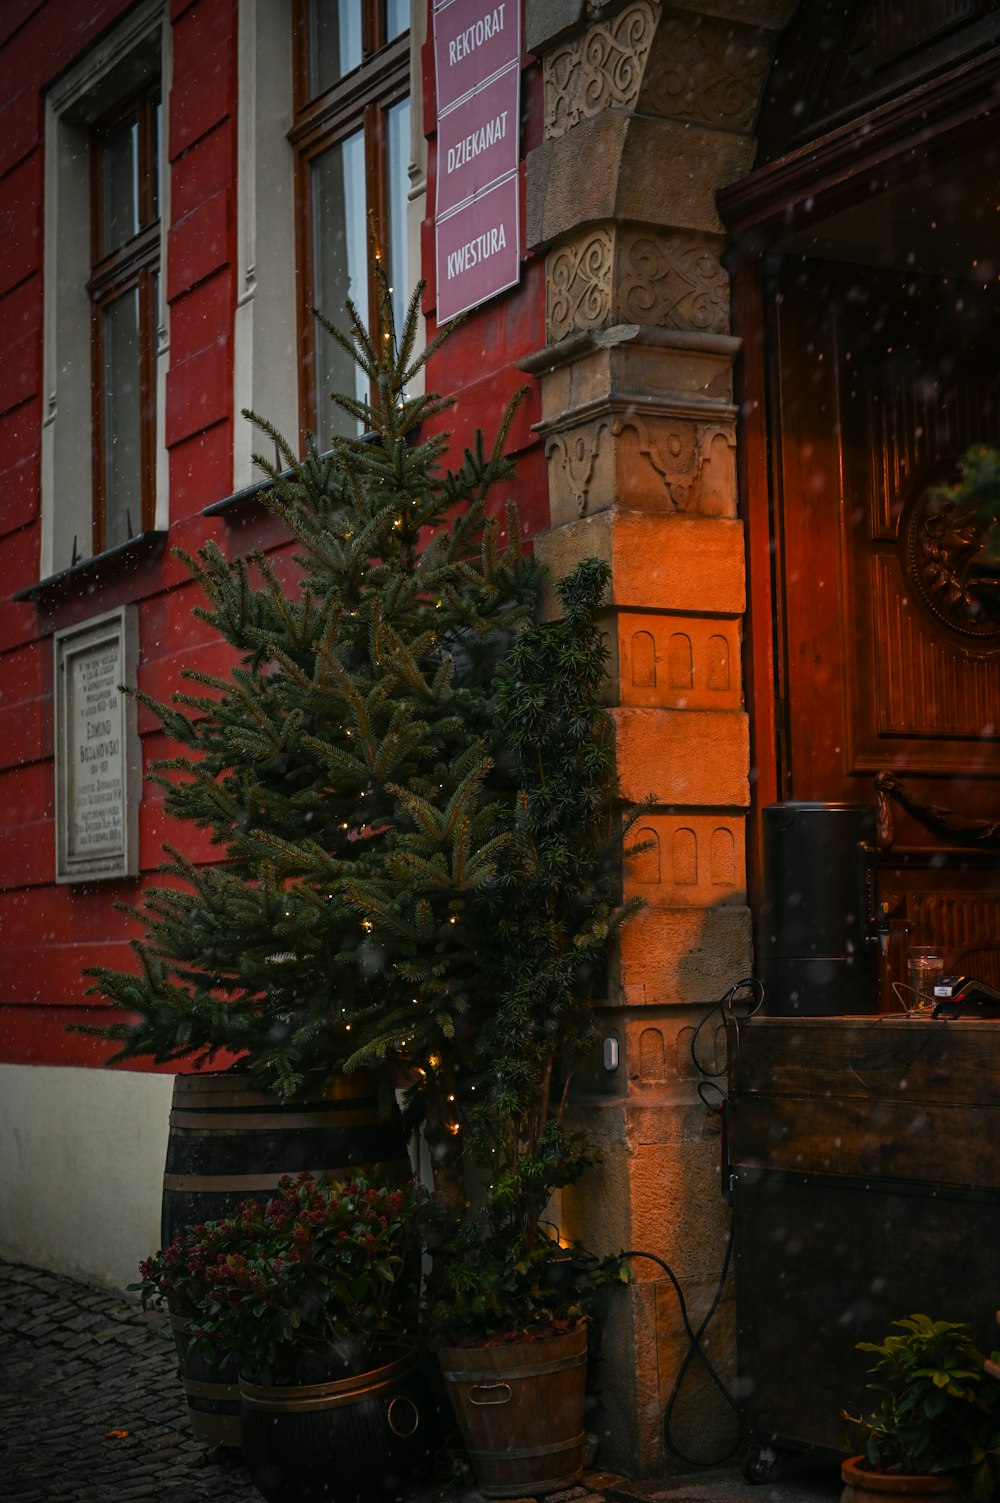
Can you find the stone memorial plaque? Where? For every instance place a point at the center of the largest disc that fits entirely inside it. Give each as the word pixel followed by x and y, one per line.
pixel 97 755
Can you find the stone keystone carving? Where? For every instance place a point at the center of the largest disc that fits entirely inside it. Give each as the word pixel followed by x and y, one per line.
pixel 706 70
pixel 600 70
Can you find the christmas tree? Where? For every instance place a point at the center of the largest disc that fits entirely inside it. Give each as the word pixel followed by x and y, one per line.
pixel 410 786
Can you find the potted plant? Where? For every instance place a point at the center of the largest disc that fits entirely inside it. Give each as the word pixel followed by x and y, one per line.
pixel 311 1299
pixel 937 1427
pixel 512 1329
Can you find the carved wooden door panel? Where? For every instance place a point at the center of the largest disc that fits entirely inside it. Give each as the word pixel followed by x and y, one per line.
pixel 888 625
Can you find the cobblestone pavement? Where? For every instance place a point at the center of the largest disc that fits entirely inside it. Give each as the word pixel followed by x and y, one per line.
pixel 90 1405
pixel 91 1411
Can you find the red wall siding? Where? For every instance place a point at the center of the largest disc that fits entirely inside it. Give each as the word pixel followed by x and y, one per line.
pixel 49 933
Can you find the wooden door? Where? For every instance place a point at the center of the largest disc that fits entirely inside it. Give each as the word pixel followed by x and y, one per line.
pixel 887 633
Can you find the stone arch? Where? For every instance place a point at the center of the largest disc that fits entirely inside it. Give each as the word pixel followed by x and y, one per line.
pixel 643 657
pixel 722 857
pixel 680 661
pixel 652 1055
pixel 684 858
pixel 646 864
pixel 717 668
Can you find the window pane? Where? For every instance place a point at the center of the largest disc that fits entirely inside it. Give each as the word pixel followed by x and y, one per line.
pixel 397 18
pixel 398 187
pixel 340 217
pixel 122 404
pixel 334 42
pixel 119 185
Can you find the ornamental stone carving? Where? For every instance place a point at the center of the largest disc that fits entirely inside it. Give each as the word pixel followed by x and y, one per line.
pixel 650 462
pixel 600 70
pixel 706 70
pixel 675 281
pixel 635 275
pixel 578 285
pixel 572 460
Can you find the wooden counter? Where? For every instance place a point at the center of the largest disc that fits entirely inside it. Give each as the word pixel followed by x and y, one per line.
pixel 892 1097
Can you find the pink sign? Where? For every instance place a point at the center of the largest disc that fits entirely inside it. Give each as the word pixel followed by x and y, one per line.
pixel 478 249
pixel 472 41
pixel 477 141
pixel 477 50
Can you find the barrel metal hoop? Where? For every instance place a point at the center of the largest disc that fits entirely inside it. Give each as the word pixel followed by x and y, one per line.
pixel 518 1453
pixel 222 1182
pixel 335 1395
pixel 224 1392
pixel 184 1119
pixel 559 1365
pixel 325 1399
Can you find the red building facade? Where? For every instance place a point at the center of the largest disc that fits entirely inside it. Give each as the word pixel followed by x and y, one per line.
pixel 179 182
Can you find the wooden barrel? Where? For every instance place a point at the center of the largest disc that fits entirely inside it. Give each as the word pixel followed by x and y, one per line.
pixel 230 1142
pixel 520 1409
pixel 350 1441
pixel 210 1390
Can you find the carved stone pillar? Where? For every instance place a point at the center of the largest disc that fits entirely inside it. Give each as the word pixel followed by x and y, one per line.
pixel 648 109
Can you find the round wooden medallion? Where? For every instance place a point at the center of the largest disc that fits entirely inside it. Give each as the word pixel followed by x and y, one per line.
pixel 949 565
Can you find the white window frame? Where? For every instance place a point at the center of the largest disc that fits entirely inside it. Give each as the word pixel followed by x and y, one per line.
pixel 265 340
pixel 106 73
pixel 266 354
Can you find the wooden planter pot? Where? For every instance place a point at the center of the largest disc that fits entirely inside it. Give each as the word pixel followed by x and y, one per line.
pixel 520 1409
pixel 359 1438
pixel 861 1486
pixel 230 1142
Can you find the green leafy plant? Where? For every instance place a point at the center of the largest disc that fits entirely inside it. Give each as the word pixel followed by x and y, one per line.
pixel 500 1291
pixel 554 910
pixel 939 1412
pixel 302 1289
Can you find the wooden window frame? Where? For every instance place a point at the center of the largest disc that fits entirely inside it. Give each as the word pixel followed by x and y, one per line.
pixel 359 101
pixel 134 264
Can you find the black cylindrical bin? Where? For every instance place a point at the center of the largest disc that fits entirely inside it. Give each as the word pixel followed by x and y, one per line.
pixel 819 959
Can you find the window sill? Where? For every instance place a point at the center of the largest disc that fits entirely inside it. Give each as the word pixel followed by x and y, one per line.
pixel 240 499
pixel 98 570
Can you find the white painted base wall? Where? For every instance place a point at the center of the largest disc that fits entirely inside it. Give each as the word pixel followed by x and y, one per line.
pixel 81 1169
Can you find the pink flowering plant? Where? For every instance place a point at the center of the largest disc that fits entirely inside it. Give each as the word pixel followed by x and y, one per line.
pixel 300 1290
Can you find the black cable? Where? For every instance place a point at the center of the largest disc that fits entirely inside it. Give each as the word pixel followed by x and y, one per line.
pixel 725 1007
pixel 695 1349
pixel 754 989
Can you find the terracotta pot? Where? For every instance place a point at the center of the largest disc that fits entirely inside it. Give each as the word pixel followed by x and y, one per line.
pixel 520 1409
pixel 862 1486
